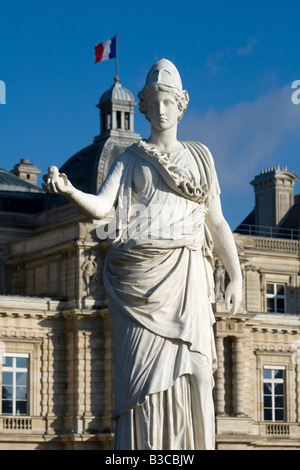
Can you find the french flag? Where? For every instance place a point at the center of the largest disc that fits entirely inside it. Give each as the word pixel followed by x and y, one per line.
pixel 105 50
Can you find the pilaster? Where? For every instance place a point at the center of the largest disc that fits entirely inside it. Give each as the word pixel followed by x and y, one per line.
pixel 219 379
pixel 238 374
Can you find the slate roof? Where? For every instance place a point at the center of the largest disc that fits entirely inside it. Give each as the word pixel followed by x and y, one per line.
pixel 10 182
pixel 289 226
pixel 18 196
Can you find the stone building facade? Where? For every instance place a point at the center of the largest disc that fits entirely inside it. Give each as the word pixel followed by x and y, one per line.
pixel 257 393
pixel 55 343
pixel 257 388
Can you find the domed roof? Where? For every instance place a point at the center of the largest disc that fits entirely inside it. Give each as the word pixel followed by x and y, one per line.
pixel 88 168
pixel 82 167
pixel 116 93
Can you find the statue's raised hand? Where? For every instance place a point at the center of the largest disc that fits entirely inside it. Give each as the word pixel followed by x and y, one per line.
pixel 56 182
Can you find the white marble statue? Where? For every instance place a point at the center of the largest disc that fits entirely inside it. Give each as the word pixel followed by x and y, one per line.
pixel 158 275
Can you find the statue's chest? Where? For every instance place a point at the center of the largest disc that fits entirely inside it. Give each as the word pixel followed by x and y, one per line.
pixel 145 178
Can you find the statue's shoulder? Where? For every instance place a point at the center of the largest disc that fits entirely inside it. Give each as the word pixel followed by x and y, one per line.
pixel 206 166
pixel 124 157
pixel 197 146
pixel 200 152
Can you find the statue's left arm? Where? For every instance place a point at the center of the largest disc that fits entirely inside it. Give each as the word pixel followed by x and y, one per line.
pixel 225 249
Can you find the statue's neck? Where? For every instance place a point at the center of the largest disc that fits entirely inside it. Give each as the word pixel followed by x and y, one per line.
pixel 164 140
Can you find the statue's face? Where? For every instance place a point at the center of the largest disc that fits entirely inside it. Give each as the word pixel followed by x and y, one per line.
pixel 162 110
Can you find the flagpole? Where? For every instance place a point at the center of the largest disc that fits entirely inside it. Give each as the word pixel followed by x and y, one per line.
pixel 117 56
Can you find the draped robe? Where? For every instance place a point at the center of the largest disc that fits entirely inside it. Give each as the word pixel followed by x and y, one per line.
pixel 158 278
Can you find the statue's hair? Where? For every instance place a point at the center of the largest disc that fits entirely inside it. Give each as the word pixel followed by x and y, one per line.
pixel 181 97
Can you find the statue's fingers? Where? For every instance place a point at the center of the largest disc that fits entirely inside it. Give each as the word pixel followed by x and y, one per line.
pixel 227 300
pixel 233 309
pixel 56 185
pixel 52 187
pixel 65 178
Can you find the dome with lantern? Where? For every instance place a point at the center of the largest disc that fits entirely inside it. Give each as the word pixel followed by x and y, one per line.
pixel 88 168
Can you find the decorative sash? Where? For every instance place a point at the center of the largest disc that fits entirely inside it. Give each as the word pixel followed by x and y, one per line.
pixel 180 180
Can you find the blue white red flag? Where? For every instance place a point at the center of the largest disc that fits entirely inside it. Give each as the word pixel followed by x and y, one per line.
pixel 105 50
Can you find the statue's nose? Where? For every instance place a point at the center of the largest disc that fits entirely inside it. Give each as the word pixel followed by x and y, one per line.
pixel 161 109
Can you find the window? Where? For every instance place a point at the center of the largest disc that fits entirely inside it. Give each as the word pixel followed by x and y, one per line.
pixel 276 298
pixel 15 384
pixel 119 124
pixel 274 396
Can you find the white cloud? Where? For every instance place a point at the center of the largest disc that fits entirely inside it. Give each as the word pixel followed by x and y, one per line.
pixel 247 49
pixel 218 61
pixel 245 137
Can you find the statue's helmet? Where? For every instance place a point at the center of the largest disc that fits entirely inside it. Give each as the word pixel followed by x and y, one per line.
pixel 164 72
pixel 163 75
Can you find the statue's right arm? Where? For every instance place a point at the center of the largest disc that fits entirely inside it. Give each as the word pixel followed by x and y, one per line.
pixel 94 206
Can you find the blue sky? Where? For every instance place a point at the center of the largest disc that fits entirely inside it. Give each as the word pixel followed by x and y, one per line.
pixel 237 59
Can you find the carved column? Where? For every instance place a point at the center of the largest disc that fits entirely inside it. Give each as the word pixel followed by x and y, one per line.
pixel 78 372
pixel 297 371
pixel 238 371
pixel 50 386
pixel 80 384
pixel 72 375
pixel 114 120
pixel 263 301
pixel 220 384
